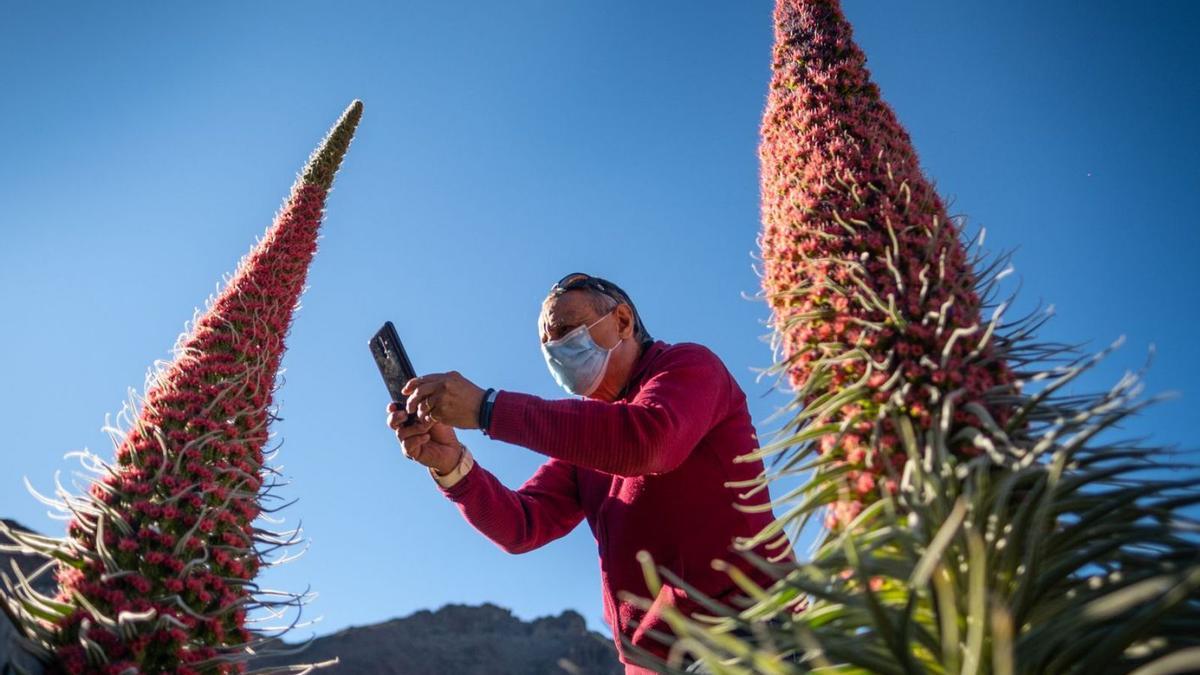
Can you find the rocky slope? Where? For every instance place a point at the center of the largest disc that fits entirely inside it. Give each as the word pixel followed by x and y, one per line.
pixel 10 655
pixel 466 640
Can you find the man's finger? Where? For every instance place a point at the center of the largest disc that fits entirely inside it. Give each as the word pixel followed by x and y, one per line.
pixel 423 390
pixel 413 442
pixel 434 399
pixel 396 418
pixel 417 381
pixel 409 385
pixel 414 429
pixel 414 446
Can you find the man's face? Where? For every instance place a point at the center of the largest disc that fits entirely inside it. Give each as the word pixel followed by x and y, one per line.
pixel 574 308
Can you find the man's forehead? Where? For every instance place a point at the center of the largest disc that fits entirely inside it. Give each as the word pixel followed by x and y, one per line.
pixel 570 303
pixel 568 308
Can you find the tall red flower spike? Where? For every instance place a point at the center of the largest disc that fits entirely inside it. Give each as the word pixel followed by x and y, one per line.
pixel 978 521
pixel 157 571
pixel 873 297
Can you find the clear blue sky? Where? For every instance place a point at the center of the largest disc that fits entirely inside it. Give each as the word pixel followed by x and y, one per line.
pixel 503 145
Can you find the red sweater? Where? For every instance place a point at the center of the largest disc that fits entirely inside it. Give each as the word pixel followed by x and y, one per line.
pixel 648 473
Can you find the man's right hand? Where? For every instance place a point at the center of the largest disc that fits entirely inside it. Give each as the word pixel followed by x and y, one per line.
pixel 430 443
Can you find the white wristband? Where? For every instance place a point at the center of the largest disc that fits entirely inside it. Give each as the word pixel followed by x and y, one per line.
pixel 465 462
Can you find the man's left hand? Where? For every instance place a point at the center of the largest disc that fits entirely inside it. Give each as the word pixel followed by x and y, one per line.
pixel 448 398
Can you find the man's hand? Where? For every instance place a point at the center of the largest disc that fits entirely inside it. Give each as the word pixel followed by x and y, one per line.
pixel 431 443
pixel 448 398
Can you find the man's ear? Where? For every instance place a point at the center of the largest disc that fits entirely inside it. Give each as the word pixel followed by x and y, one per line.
pixel 624 321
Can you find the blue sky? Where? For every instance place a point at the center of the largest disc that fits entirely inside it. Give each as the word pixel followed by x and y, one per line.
pixel 503 145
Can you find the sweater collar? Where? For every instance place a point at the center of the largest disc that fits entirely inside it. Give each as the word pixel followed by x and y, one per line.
pixel 650 351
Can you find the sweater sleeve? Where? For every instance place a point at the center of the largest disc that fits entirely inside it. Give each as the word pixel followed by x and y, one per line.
pixel 674 408
pixel 545 508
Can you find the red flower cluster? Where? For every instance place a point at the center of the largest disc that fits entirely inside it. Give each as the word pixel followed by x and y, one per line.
pixel 167 555
pixel 874 302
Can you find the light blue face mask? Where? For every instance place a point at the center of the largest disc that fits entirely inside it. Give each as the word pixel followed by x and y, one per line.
pixel 576 361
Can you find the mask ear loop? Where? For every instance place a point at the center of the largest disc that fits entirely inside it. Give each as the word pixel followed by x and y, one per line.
pixel 613 348
pixel 597 321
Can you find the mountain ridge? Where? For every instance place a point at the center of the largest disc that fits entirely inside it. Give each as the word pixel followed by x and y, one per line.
pixel 481 639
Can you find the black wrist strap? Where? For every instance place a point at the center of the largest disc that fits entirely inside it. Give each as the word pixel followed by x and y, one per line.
pixel 485 410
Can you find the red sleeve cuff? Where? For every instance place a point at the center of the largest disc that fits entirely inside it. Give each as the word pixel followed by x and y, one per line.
pixel 508 415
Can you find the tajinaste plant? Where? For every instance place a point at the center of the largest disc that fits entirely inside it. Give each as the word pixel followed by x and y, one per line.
pixel 873 296
pixel 156 573
pixel 974 519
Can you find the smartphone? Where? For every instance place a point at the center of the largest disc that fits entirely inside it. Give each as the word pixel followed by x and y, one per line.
pixel 393 363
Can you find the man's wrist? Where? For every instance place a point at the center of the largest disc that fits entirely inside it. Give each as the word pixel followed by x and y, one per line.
pixel 485 409
pixel 455 474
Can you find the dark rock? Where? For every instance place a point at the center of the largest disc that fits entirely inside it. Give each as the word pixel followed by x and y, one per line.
pixel 465 640
pixel 11 654
pixel 29 563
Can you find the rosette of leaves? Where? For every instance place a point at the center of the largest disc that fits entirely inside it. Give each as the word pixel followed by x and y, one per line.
pixel 977 516
pixel 157 571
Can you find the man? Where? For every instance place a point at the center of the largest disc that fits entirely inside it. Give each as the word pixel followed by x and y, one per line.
pixel 644 456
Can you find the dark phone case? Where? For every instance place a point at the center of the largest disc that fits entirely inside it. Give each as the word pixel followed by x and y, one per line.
pixel 393 363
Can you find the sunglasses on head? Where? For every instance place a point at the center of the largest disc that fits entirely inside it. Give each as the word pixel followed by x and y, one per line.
pixel 578 280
